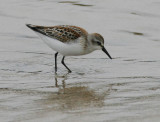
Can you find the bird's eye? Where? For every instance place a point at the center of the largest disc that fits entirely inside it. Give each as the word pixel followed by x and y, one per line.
pixel 98 43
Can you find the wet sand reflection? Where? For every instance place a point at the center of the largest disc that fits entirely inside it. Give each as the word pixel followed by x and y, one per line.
pixel 73 97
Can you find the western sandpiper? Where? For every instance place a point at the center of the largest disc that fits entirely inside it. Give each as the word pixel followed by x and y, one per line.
pixel 69 40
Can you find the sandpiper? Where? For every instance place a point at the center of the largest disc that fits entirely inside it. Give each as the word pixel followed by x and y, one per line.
pixel 69 40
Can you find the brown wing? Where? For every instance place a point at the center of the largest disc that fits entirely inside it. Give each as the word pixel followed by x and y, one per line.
pixel 79 30
pixel 63 33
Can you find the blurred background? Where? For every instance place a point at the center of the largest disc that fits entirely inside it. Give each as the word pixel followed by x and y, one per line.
pixel 124 89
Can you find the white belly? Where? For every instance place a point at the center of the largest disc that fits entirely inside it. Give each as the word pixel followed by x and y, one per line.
pixel 66 49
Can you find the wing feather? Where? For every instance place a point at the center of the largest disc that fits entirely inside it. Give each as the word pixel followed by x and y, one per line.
pixel 63 33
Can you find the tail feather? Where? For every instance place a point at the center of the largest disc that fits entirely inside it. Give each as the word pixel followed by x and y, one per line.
pixel 33 27
pixel 36 28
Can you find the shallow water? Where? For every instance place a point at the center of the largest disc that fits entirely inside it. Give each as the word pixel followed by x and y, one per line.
pixel 124 89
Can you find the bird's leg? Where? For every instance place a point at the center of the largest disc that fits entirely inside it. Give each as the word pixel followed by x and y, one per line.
pixel 56 62
pixel 65 64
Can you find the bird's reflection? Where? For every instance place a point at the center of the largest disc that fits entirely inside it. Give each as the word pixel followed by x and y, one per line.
pixel 64 77
pixel 72 96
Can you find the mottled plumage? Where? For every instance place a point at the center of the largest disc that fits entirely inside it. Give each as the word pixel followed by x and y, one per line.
pixel 69 40
pixel 63 33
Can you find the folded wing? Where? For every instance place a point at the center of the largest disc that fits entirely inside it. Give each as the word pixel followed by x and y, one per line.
pixel 63 33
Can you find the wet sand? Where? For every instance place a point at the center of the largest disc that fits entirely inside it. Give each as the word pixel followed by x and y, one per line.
pixel 124 89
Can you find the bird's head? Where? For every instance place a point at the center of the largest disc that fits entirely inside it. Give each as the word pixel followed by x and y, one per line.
pixel 97 42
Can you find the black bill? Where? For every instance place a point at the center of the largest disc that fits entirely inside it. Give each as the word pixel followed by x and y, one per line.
pixel 104 50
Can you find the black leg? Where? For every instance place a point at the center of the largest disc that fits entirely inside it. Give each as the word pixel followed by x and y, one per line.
pixel 65 64
pixel 56 62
